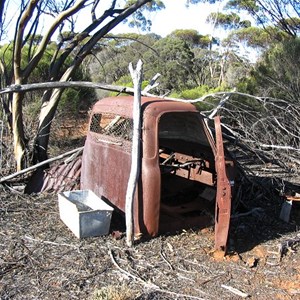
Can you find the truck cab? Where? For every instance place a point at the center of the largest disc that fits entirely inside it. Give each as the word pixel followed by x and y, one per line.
pixel 185 178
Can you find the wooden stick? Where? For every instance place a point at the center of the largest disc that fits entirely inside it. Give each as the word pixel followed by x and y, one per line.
pixel 135 153
pixel 235 291
pixel 49 242
pixel 6 178
pixel 152 84
pixel 129 274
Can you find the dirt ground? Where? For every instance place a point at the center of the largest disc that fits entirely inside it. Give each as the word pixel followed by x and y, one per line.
pixel 41 259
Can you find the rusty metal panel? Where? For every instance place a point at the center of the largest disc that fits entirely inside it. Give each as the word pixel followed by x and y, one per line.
pixel 105 170
pixel 223 198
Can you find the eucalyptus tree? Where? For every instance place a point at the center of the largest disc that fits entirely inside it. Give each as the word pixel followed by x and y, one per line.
pixel 277 74
pixel 111 59
pixel 285 15
pixel 174 59
pixel 61 16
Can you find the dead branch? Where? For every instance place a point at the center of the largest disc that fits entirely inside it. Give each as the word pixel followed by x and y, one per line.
pixel 49 242
pixel 32 168
pixel 129 274
pixel 163 256
pixel 135 153
pixel 149 285
pixel 152 84
pixel 17 88
pixel 235 291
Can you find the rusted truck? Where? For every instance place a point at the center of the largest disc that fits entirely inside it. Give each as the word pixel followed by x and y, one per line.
pixel 185 179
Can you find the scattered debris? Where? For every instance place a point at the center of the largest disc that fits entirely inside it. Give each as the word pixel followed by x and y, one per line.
pixel 235 291
pixel 43 259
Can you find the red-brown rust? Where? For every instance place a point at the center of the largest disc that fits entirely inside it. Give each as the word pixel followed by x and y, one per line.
pixel 190 166
pixel 223 199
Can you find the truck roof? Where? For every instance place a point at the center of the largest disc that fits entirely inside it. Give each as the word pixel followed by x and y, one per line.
pixel 123 105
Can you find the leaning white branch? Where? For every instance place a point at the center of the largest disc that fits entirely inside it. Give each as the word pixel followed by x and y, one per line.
pixel 221 104
pixel 152 84
pixel 278 147
pixel 122 89
pixel 284 129
pixel 135 152
pixel 64 84
pixel 282 147
pixel 235 291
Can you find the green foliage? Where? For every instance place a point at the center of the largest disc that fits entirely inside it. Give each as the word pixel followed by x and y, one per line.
pixel 193 93
pixel 248 5
pixel 116 54
pixel 257 37
pixel 193 38
pixel 172 57
pixel 138 18
pixel 247 85
pixel 278 73
pixel 174 61
pixel 277 13
pixel 180 58
pixel 199 92
pixel 228 21
pixel 34 39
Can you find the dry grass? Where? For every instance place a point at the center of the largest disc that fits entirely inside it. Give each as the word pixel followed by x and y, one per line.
pixel 113 292
pixel 41 259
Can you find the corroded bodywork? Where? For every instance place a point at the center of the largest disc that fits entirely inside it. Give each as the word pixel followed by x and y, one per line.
pixel 178 185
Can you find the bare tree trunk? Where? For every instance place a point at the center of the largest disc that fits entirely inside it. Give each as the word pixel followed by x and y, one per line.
pixel 18 130
pixel 17 109
pixel 135 152
pixel 45 120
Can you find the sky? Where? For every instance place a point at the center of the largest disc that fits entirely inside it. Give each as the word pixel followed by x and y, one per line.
pixel 178 16
pixel 175 16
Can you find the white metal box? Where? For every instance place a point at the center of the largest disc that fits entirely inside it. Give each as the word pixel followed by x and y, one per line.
pixel 84 213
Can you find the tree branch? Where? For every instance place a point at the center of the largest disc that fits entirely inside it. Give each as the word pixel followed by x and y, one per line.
pixel 32 168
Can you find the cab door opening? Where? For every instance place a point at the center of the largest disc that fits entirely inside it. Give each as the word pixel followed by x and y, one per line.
pixel 188 176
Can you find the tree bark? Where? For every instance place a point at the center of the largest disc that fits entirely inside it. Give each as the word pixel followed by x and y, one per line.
pixel 17 109
pixel 18 130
